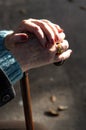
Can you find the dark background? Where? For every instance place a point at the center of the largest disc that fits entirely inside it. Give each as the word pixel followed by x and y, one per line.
pixel 68 82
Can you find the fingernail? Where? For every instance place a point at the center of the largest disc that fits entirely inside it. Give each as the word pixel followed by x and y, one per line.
pixel 23 38
pixel 60 30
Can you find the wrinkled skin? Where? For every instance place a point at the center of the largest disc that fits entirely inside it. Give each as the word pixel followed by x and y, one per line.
pixel 39 49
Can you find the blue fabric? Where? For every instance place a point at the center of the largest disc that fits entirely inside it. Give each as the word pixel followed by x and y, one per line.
pixel 8 63
pixel 3 34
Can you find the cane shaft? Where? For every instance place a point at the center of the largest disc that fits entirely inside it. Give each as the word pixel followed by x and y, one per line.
pixel 25 90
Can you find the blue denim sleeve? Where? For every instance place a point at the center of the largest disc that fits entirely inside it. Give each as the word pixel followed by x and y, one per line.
pixel 8 63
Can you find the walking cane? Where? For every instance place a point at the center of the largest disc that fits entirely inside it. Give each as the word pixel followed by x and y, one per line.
pixel 25 90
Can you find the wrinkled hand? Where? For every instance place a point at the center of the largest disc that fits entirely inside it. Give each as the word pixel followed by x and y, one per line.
pixel 40 49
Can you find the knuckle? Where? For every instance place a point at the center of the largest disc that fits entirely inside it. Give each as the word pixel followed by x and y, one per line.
pixel 26 21
pixel 36 28
pixel 46 20
pixel 23 21
pixel 43 24
pixel 30 19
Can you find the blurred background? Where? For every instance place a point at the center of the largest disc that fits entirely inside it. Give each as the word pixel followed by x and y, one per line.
pixel 66 83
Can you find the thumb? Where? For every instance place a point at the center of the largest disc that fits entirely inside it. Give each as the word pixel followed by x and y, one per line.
pixel 19 37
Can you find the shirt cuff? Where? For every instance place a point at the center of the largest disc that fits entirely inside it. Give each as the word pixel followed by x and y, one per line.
pixel 8 63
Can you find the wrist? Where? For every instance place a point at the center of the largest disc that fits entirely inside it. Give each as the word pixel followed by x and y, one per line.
pixel 13 42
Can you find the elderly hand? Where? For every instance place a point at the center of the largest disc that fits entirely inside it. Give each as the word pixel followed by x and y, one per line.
pixel 39 49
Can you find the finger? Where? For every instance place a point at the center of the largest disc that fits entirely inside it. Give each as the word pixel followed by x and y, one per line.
pixel 58 28
pixel 28 26
pixel 61 37
pixel 62 47
pixel 46 29
pixel 54 29
pixel 61 33
pixel 58 32
pixel 19 37
pixel 65 55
